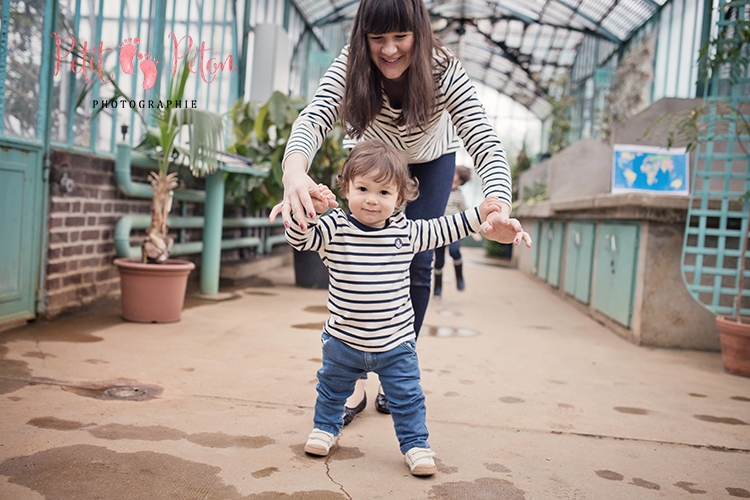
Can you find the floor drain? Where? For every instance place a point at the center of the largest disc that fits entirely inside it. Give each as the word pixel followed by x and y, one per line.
pixel 128 393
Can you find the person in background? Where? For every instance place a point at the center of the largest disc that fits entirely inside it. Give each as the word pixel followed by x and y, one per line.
pixel 456 204
pixel 368 250
pixel 397 82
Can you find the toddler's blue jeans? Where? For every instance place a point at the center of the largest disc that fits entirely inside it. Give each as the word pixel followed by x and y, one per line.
pixel 398 370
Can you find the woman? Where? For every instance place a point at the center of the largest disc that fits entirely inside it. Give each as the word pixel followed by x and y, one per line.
pixel 395 81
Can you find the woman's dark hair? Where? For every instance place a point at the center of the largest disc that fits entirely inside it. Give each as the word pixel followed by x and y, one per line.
pixel 387 163
pixel 363 90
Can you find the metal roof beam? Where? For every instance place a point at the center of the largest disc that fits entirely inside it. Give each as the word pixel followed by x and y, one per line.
pixel 607 34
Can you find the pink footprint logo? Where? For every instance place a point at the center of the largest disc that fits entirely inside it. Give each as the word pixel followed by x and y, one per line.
pixel 127 53
pixel 148 68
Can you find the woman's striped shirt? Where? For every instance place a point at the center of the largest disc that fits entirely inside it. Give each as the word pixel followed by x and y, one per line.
pixel 368 291
pixel 459 114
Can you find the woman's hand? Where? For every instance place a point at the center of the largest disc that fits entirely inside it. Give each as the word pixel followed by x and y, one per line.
pixel 498 226
pixel 299 191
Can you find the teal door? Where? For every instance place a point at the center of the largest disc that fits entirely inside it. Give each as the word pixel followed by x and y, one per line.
pixel 579 259
pixel 20 201
pixel 616 263
pixel 25 76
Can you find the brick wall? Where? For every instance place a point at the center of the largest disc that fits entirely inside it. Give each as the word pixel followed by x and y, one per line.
pixel 81 224
pixel 80 238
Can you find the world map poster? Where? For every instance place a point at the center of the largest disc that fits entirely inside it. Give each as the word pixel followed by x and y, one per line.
pixel 650 169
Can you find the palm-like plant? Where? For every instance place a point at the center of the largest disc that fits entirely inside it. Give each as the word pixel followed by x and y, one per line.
pixel 205 131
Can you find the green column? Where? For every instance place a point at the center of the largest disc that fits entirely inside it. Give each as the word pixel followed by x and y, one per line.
pixel 214 213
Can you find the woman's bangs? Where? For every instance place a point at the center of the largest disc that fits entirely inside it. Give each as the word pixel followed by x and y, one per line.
pixel 384 16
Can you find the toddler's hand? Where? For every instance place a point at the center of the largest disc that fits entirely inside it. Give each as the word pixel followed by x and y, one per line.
pixel 325 199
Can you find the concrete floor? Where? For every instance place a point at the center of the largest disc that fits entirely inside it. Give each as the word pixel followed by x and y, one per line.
pixel 527 399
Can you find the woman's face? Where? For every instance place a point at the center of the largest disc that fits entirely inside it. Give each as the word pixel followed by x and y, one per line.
pixel 392 53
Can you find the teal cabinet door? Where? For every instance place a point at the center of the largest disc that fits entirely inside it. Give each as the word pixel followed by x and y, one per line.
pixel 579 260
pixel 20 195
pixel 616 264
pixel 555 253
pixel 535 232
pixel 545 242
pixel 550 251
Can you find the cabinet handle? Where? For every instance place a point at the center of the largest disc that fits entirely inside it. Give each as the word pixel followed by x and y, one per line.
pixel 577 238
pixel 614 244
pixel 611 239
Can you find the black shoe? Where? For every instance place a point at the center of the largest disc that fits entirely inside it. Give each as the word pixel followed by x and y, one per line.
pixel 350 413
pixel 381 403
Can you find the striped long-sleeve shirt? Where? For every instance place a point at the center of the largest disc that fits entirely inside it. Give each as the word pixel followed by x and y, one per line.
pixel 459 114
pixel 368 291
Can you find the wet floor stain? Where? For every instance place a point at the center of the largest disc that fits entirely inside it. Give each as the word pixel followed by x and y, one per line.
pixel 497 468
pixel 296 411
pixel 684 485
pixel 565 406
pixel 14 374
pixel 738 492
pixel 264 472
pixel 610 475
pixel 316 360
pixel 221 440
pixel 121 390
pixel 57 424
pixel 347 453
pixel 484 488
pixel 37 354
pixel 559 382
pixel 260 293
pixel 115 432
pixel 449 331
pixel 451 394
pixel 720 420
pixel 696 395
pixel 631 411
pixel 445 469
pixel 540 327
pixel 84 471
pixel 316 309
pixel 96 361
pixel 337 453
pixel 511 400
pixel 318 325
pixel 741 398
pixel 642 483
pixel 189 370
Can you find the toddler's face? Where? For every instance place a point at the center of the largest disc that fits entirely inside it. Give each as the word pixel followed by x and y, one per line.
pixel 370 201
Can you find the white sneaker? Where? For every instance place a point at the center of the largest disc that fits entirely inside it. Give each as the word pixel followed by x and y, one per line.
pixel 319 442
pixel 420 461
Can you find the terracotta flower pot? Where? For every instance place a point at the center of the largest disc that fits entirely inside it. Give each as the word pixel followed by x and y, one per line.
pixel 735 344
pixel 153 293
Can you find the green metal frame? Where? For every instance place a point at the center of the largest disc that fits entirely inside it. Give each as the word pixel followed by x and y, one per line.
pixel 718 215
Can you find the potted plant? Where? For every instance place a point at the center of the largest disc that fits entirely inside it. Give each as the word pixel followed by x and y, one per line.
pixel 153 288
pixel 261 131
pixel 718 220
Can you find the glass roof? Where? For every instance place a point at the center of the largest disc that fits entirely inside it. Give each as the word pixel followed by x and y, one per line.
pixel 519 47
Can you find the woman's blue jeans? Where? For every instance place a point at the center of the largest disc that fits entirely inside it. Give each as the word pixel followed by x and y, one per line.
pixel 435 183
pixel 398 370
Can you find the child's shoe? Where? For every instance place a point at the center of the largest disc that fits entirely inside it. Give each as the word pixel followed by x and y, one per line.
pixel 319 442
pixel 420 461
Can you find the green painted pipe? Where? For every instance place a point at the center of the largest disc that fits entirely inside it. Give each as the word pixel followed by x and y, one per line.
pixel 214 213
pixel 124 160
pixel 128 223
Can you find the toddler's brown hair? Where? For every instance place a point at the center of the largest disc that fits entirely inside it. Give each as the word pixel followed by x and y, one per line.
pixel 388 164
